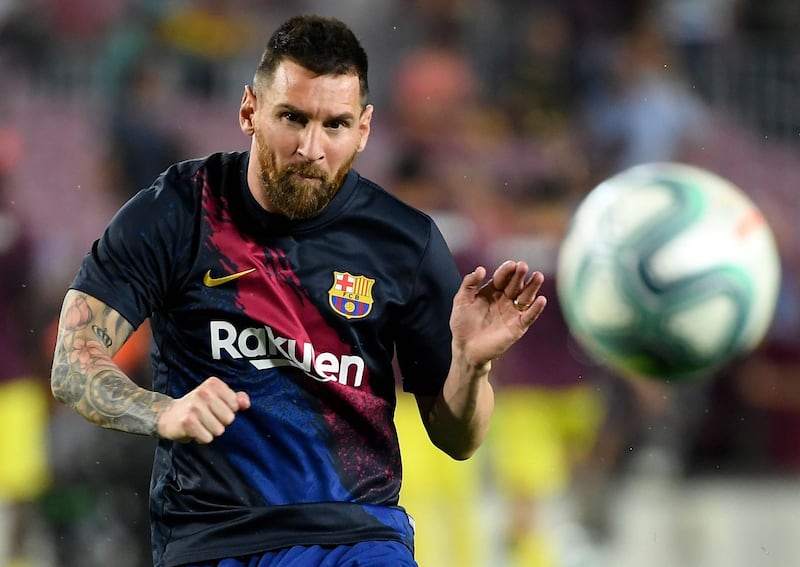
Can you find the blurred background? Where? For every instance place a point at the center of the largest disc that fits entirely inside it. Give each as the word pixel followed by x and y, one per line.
pixel 496 117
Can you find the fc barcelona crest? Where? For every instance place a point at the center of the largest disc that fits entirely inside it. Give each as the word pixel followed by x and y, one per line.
pixel 351 296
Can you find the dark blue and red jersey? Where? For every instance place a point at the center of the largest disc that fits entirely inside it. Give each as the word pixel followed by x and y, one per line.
pixel 305 316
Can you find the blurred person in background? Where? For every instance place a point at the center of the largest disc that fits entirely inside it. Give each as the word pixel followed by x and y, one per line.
pixel 140 144
pixel 278 446
pixel 641 107
pixel 445 496
pixel 435 95
pixel 768 380
pixel 443 134
pixel 751 420
pixel 26 36
pixel 549 405
pixel 97 502
pixel 204 36
pixel 99 481
pixel 24 403
pixel 539 93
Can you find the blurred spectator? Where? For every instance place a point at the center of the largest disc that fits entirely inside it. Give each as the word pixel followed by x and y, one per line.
pixel 548 409
pixel 442 495
pixel 435 91
pixel 775 21
pixel 26 42
pixel 97 504
pixel 141 145
pixel 23 395
pixel 129 44
pixel 751 424
pixel 539 93
pixel 205 35
pixel 695 28
pixel 84 21
pixel 643 110
pixel 440 126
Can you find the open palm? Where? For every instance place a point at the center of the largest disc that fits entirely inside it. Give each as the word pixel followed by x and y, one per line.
pixel 488 318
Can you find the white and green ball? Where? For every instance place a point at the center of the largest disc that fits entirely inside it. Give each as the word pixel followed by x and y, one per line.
pixel 668 271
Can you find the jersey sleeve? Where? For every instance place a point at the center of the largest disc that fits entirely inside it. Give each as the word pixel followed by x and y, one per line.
pixel 133 264
pixel 424 341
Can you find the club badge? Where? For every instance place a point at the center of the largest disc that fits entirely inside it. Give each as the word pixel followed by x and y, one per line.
pixel 351 296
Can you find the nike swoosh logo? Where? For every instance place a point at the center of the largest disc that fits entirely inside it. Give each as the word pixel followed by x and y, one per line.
pixel 213 282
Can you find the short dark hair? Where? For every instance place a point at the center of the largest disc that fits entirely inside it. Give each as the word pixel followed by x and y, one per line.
pixel 326 46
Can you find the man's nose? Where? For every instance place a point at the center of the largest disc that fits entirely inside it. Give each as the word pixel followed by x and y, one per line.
pixel 310 146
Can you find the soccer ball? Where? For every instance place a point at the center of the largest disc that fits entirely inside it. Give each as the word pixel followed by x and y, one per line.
pixel 667 271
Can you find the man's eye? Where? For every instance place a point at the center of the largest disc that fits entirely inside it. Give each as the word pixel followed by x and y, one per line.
pixel 337 124
pixel 292 117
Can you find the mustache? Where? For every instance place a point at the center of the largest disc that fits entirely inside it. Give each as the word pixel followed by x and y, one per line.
pixel 306 170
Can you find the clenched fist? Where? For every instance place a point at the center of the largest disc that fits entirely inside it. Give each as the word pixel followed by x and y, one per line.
pixel 202 414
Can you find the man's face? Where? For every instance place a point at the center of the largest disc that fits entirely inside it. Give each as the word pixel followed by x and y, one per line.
pixel 307 130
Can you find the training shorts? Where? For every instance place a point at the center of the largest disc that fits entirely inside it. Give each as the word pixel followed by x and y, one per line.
pixel 364 554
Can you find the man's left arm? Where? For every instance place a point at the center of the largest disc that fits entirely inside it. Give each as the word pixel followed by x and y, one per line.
pixel 486 320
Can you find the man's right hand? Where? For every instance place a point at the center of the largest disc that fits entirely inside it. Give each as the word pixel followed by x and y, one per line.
pixel 202 414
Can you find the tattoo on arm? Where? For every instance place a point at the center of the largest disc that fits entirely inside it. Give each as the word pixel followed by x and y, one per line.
pixel 102 334
pixel 85 377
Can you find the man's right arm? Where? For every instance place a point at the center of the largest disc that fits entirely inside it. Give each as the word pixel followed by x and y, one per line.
pixel 86 378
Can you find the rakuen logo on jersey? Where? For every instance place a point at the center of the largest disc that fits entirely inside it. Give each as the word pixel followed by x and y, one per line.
pixel 264 349
pixel 351 296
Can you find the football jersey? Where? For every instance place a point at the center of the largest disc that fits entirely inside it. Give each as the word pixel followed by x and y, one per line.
pixel 303 315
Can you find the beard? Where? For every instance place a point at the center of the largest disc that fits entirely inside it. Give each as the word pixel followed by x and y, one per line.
pixel 300 190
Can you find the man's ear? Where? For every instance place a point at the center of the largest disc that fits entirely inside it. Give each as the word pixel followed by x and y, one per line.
pixel 364 123
pixel 247 110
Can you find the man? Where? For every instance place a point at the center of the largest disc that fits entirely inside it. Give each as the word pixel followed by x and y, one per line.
pixel 279 285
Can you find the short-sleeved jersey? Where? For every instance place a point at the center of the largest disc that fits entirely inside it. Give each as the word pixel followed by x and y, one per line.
pixel 305 316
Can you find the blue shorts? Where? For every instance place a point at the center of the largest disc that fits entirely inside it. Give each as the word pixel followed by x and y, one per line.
pixel 364 554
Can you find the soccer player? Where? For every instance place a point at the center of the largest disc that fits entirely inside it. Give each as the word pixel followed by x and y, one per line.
pixel 279 284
